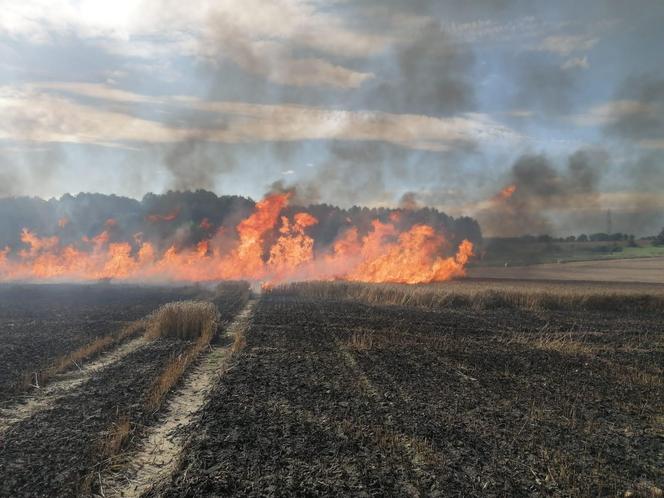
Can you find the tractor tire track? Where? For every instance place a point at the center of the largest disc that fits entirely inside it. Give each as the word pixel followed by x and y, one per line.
pixel 158 455
pixel 43 398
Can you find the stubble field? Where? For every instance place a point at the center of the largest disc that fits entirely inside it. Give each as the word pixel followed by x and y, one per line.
pixel 349 389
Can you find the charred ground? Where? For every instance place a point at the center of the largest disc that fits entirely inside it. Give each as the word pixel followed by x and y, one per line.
pixel 335 398
pixel 351 389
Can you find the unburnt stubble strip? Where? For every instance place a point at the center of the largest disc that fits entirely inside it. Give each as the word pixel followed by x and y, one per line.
pixel 479 296
pixel 184 320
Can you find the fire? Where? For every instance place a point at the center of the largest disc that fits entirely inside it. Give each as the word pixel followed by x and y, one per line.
pixel 155 218
pixel 63 222
pixel 505 193
pixel 205 225
pixel 267 246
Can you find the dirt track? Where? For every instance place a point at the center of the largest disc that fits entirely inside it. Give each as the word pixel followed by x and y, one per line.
pixel 647 270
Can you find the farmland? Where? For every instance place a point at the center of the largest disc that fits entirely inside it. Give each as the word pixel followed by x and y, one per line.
pixel 470 388
pixel 40 324
pixel 646 270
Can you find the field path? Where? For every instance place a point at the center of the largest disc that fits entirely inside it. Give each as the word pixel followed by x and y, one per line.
pixel 157 457
pixel 64 383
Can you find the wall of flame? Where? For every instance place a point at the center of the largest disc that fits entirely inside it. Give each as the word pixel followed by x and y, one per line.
pixel 384 254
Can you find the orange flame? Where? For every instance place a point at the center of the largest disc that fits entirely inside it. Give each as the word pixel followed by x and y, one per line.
pixel 205 225
pixel 63 222
pixel 384 254
pixel 155 218
pixel 505 193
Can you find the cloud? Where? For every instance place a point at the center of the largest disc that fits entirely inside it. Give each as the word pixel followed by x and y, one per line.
pixel 612 112
pixel 520 113
pixel 567 44
pixel 40 115
pixel 95 90
pixel 491 30
pixel 275 62
pixel 576 63
pixel 260 36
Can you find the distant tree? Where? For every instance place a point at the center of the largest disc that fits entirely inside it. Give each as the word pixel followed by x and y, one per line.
pixel 659 239
pixel 582 238
pixel 571 238
pixel 632 242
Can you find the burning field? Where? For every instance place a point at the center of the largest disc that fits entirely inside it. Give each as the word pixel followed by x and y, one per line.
pixel 135 359
pixel 331 248
pixel 271 244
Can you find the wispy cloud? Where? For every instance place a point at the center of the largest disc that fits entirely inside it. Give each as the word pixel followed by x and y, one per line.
pixel 41 113
pixel 610 112
pixel 567 44
pixel 576 63
pixel 260 36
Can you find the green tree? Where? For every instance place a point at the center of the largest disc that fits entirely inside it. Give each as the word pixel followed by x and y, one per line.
pixel 659 240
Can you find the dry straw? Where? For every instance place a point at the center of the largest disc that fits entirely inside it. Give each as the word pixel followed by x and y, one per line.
pixel 481 296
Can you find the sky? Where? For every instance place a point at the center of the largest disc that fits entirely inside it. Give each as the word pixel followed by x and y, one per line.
pixel 367 102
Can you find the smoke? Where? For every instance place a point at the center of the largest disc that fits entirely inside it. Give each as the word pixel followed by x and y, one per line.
pixel 354 173
pixel 8 179
pixel 641 117
pixel 539 195
pixel 195 164
pixel 636 118
pixel 26 170
pixel 409 201
pixel 543 84
pixel 430 73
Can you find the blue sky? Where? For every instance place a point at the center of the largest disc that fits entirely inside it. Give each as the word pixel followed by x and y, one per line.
pixel 354 102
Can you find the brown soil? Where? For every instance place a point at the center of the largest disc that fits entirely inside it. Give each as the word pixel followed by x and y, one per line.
pixel 646 270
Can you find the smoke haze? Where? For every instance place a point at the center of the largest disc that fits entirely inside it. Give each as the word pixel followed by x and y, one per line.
pixel 367 103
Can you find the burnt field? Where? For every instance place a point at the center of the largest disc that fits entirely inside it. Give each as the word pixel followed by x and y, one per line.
pixel 352 389
pixel 58 439
pixel 39 324
pixel 334 397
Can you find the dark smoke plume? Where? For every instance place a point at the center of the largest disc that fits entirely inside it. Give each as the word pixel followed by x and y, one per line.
pixel 430 74
pixel 537 191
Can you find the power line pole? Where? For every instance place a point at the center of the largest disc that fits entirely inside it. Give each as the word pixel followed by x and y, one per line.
pixel 609 228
